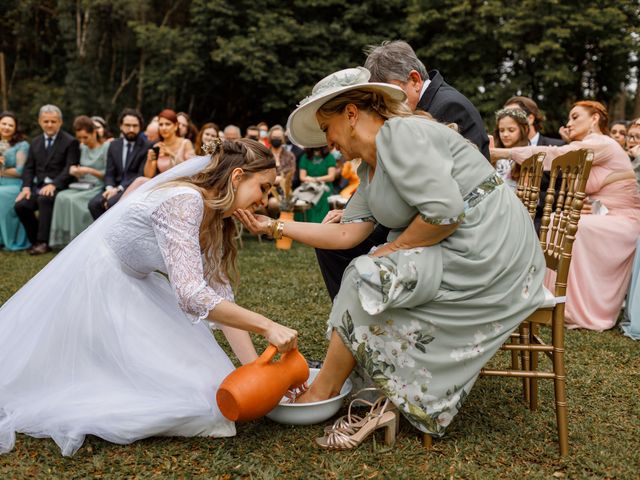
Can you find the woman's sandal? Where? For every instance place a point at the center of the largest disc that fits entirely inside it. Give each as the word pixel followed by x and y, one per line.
pixel 351 420
pixel 350 430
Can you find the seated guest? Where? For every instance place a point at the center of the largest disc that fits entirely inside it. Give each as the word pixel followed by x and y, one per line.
pixel 252 133
pixel 186 128
pixel 70 212
pixel 125 161
pixel 350 175
pixel 231 132
pixel 395 62
pixel 535 119
pixel 13 155
pixel 151 132
pixel 207 133
pixel 318 166
pixel 633 146
pixel 425 311
pixel 45 174
pixel 263 132
pixel 618 131
pixel 104 135
pixel 512 130
pixel 285 166
pixel 606 240
pixel 168 152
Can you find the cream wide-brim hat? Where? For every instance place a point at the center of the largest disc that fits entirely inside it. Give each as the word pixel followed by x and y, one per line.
pixel 303 128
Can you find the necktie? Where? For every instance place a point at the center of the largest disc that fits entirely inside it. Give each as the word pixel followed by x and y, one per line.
pixel 126 158
pixel 49 144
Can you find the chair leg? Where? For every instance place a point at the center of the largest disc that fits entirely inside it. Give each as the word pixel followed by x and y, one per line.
pixel 427 441
pixel 526 382
pixel 533 384
pixel 560 382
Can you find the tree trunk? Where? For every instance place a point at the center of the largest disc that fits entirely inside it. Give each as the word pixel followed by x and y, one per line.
pixel 3 83
pixel 636 104
pixel 618 105
pixel 140 92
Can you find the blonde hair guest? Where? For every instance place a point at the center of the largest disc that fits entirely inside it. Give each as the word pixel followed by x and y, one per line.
pixel 398 314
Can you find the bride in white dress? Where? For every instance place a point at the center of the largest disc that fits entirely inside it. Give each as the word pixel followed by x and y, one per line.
pixel 109 338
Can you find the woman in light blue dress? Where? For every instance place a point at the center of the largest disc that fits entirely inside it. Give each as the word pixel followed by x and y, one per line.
pixel 71 210
pixel 423 313
pixel 13 155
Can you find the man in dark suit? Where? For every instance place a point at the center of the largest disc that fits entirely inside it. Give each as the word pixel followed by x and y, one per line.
pixel 46 172
pixel 535 119
pixel 396 63
pixel 125 162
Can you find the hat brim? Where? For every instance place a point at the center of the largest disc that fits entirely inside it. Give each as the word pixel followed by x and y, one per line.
pixel 302 126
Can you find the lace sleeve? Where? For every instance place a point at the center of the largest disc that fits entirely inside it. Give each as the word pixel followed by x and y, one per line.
pixel 176 223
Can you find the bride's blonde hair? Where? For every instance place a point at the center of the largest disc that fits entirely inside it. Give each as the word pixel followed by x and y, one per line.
pixel 218 234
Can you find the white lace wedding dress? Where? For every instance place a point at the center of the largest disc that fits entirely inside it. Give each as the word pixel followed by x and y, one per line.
pixel 101 343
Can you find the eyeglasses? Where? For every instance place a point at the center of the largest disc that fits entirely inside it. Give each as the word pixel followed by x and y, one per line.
pixel 633 138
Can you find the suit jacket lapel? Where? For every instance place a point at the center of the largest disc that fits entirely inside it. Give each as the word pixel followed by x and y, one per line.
pixel 427 99
pixel 118 154
pixel 48 155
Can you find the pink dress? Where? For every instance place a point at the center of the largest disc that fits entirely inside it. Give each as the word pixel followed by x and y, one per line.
pixel 605 244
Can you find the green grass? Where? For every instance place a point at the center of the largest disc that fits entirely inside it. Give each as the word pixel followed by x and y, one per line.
pixel 494 436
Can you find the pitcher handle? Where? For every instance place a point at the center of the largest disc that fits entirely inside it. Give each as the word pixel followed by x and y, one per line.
pixel 267 355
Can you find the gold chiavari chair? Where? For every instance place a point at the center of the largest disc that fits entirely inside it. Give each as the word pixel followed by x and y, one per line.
pixel 528 191
pixel 558 229
pixel 528 188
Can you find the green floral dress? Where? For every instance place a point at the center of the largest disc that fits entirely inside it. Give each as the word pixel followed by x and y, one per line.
pixel 421 323
pixel 71 214
pixel 318 167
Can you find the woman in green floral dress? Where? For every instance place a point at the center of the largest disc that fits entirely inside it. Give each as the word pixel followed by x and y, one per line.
pixel 318 166
pixel 71 214
pixel 462 268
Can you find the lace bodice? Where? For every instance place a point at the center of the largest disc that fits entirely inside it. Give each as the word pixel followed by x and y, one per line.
pixel 161 232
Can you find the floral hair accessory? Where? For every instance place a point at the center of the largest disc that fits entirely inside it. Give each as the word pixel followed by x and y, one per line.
pixel 212 147
pixel 516 113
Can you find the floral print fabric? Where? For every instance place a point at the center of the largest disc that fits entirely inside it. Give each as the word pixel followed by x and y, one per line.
pixel 421 323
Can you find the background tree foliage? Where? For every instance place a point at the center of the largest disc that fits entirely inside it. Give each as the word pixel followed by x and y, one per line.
pixel 244 61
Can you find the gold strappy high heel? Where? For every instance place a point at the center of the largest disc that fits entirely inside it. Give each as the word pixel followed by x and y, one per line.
pixel 351 420
pixel 351 430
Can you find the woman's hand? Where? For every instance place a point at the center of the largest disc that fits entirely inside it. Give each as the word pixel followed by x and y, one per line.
pixel 77 171
pixel 283 338
pixel 333 216
pixel 634 151
pixel 256 224
pixel 151 156
pixel 385 249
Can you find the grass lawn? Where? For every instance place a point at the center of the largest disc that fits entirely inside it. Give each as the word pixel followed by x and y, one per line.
pixel 494 436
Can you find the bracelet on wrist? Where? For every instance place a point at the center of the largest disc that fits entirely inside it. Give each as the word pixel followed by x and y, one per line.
pixel 278 228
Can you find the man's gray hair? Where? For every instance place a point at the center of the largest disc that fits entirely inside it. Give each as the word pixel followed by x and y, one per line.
pixel 230 128
pixel 50 109
pixel 393 60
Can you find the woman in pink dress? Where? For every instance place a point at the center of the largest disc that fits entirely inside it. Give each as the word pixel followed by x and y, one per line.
pixel 607 234
pixel 170 151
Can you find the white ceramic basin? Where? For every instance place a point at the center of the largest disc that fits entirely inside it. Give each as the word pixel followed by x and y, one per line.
pixel 309 413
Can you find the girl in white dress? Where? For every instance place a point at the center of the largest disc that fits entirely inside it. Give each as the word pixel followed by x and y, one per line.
pixel 109 338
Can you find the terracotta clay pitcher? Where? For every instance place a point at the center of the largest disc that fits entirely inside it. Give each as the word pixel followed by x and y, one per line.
pixel 284 243
pixel 255 389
